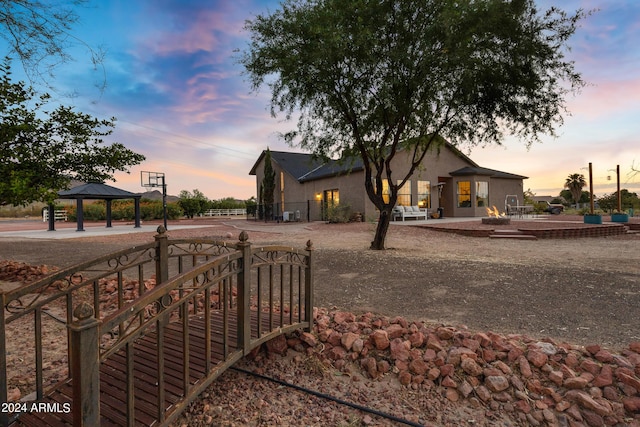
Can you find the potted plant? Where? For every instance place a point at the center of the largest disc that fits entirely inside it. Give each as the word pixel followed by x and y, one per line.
pixel 592 218
pixel 618 216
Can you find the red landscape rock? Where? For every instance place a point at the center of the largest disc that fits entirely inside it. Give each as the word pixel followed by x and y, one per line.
pixel 525 368
pixel 496 383
pixel 399 349
pixel 537 358
pixel 547 383
pixel 341 317
pixel 471 367
pixel 380 339
pixel 277 345
pixel 632 404
pixel 309 339
pixel 348 339
pixel 395 331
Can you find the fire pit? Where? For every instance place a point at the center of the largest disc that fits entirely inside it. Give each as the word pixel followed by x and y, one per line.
pixel 492 220
pixel 496 218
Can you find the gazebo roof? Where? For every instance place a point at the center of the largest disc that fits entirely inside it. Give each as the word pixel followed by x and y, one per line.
pixel 94 190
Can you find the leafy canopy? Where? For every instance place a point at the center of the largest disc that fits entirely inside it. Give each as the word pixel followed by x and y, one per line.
pixel 609 202
pixel 193 203
pixel 370 78
pixel 42 150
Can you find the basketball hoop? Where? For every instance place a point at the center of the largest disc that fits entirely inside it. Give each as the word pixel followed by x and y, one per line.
pixel 152 179
pixel 156 179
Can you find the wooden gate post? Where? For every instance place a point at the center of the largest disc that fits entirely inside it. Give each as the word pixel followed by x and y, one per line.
pixel 244 294
pixel 85 367
pixel 308 287
pixel 162 255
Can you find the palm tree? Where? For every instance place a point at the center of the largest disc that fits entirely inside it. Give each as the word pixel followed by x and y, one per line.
pixel 575 183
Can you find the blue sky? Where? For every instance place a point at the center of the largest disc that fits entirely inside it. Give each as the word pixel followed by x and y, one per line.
pixel 181 99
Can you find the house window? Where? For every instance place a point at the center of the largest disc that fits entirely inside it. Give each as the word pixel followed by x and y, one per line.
pixel 464 194
pixel 404 194
pixel 424 194
pixel 482 194
pixel 385 189
pixel 332 197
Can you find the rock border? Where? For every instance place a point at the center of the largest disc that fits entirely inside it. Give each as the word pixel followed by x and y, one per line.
pixel 540 381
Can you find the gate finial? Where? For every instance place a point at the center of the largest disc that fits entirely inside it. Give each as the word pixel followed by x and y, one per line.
pixel 244 236
pixel 83 311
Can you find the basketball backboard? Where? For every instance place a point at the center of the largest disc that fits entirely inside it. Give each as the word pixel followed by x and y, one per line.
pixel 152 179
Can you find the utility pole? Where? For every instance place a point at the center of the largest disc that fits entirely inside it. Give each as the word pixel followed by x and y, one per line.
pixel 591 187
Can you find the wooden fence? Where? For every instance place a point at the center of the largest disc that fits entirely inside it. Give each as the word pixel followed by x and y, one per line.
pixel 225 212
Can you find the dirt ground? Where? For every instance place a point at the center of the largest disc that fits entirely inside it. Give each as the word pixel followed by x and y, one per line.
pixel 582 290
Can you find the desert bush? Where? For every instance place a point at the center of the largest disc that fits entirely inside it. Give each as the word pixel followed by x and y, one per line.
pixel 338 213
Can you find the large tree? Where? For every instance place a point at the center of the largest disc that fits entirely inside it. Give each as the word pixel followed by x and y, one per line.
pixel 609 202
pixel 42 150
pixel 370 78
pixel 193 203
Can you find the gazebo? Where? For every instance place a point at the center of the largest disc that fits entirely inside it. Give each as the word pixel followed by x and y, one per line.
pixel 95 191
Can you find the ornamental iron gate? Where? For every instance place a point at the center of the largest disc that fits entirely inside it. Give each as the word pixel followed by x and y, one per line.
pixel 131 338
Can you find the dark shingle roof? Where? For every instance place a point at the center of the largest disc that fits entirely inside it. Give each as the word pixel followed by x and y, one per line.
pixel 468 170
pixel 94 190
pixel 306 167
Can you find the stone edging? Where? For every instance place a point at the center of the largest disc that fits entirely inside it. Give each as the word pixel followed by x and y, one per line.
pixel 603 230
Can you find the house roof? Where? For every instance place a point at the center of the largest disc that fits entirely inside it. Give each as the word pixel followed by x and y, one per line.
pixel 468 170
pixel 94 190
pixel 307 167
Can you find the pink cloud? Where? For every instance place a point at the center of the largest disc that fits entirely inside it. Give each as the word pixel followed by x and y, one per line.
pixel 205 30
pixel 606 98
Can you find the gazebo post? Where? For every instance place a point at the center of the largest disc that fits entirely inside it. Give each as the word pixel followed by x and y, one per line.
pixel 108 213
pixel 80 214
pixel 136 204
pixel 52 217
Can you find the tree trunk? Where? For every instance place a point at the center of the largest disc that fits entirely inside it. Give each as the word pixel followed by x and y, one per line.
pixel 381 230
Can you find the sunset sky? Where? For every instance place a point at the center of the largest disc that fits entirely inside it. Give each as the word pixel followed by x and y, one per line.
pixel 180 97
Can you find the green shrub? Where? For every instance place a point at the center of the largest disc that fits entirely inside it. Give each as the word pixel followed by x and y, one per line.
pixel 586 211
pixel 174 211
pixel 151 210
pixel 338 213
pixel 124 210
pixel 94 211
pixel 539 207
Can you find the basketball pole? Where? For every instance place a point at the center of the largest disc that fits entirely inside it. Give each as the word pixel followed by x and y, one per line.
pixel 164 202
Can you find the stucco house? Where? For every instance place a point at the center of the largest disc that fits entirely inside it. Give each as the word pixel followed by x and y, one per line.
pixel 448 179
